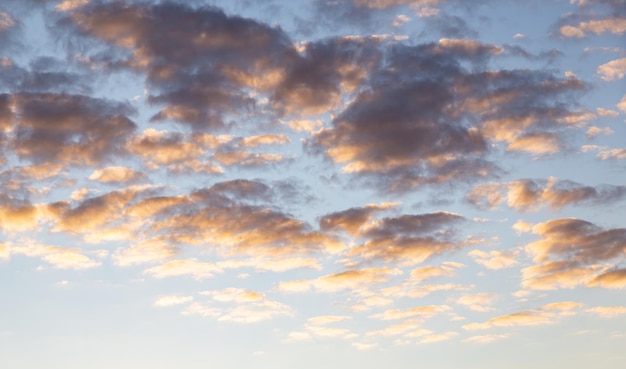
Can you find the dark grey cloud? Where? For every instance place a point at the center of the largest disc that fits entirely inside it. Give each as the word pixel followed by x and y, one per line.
pixel 325 72
pixel 44 74
pixel 287 191
pixel 72 129
pixel 416 114
pixel 199 63
pixel 422 117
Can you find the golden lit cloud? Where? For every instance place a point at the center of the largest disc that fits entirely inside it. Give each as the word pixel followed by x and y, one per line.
pixel 494 259
pixel 116 174
pixel 172 300
pixel 174 268
pixel 607 312
pixel 416 312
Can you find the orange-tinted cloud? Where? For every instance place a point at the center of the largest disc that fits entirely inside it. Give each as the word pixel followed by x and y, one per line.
pixel 528 195
pixel 495 259
pixel 408 239
pixel 116 174
pixel 571 252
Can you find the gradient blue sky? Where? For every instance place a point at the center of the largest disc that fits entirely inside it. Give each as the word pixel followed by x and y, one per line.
pixel 280 184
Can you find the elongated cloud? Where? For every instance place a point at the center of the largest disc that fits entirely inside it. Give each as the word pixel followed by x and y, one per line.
pixel 572 252
pixel 408 239
pixel 545 315
pixel 592 18
pixel 116 175
pixel 528 195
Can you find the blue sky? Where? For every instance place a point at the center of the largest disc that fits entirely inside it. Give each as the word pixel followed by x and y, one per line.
pixel 347 183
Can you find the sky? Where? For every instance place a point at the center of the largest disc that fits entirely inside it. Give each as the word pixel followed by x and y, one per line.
pixel 304 184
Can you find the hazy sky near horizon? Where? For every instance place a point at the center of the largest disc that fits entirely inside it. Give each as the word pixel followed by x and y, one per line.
pixel 320 183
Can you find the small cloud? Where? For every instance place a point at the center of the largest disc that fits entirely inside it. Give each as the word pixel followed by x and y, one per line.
pixel 486 338
pixel 400 20
pixel 495 260
pixel 116 175
pixel 364 346
pixel 172 300
pixel 612 70
pixel 607 312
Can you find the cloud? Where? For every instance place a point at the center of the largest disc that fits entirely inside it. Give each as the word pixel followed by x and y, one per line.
pixel 408 239
pixel 545 315
pixel 238 305
pixel 318 326
pixel 18 216
pixel 177 152
pixel 486 196
pixel 613 70
pixel 415 312
pixel 200 70
pixel 605 153
pixel 70 260
pixel 571 252
pixel 594 131
pixel 5 251
pixel 256 312
pixel 59 257
pixel 495 260
pixel 44 74
pixel 354 219
pixel 486 338
pixel 200 152
pixel 242 229
pixel 426 273
pixel 527 318
pixel 480 302
pixel 438 337
pixel 403 328
pixel 612 25
pixel 116 175
pixel 622 104
pixel 355 279
pixel 326 70
pixel 172 300
pixel 361 346
pixel 589 19
pixel 237 295
pixel 176 268
pixel 73 129
pixel 415 285
pixel 148 251
pixel 611 279
pixel 94 214
pixel 370 137
pixel 607 312
pixel 528 195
